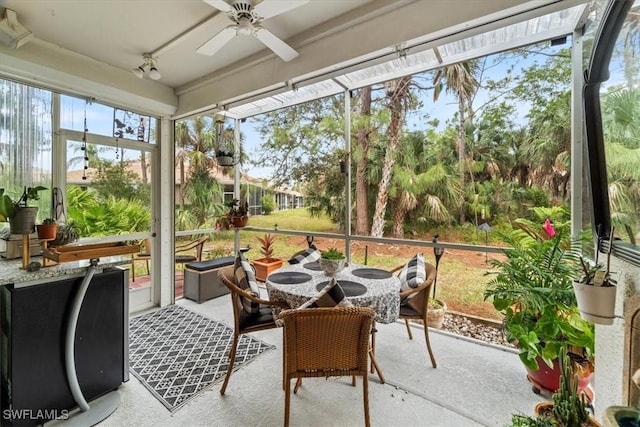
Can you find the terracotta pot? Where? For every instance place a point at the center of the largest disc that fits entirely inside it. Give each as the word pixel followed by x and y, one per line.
pixel 23 221
pixel 47 231
pixel 548 379
pixel 435 315
pixel 239 221
pixel 596 303
pixel 265 266
pixel 545 408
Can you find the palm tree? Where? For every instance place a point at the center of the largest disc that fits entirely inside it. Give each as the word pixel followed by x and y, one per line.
pixel 459 79
pixel 398 97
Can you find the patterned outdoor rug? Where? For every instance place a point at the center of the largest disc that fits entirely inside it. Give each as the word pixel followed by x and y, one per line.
pixel 177 353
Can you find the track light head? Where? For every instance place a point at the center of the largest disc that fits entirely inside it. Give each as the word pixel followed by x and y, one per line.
pixel 138 72
pixel 154 74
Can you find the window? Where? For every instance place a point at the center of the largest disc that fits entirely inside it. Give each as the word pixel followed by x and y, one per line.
pixel 612 117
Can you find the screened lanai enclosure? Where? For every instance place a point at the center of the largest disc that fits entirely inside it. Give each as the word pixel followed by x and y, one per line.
pixel 397 127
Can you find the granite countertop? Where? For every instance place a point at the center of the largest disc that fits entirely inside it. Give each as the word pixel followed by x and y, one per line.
pixel 12 273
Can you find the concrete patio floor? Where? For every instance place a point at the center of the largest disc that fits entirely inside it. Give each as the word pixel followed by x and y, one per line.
pixel 473 385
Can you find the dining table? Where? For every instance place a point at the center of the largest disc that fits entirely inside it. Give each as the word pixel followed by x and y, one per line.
pixel 364 286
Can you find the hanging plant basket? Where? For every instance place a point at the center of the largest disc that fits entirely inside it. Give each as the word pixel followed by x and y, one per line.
pixel 239 221
pixel 225 160
pixel 596 303
pixel 24 220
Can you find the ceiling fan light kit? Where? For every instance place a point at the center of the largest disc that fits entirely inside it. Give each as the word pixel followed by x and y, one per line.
pixel 247 20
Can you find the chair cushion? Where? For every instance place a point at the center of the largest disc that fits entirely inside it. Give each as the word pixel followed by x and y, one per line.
pixel 185 258
pixel 263 316
pixel 332 295
pixel 412 275
pixel 211 264
pixel 308 255
pixel 246 279
pixel 409 311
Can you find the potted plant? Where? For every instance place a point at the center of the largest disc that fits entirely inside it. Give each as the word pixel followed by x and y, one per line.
pixel 225 145
pixel 264 266
pixel 237 216
pixel 533 290
pixel 67 233
pixel 22 218
pixel 331 261
pixel 569 406
pixel 596 291
pixel 48 230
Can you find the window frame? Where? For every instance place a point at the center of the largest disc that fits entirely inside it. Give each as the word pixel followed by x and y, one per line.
pixel 597 72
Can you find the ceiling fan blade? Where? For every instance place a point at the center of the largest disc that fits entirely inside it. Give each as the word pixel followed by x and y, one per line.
pixel 268 8
pixel 280 48
pixel 220 5
pixel 215 43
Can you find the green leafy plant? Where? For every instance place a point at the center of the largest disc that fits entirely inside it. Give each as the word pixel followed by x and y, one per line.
pixel 533 289
pixel 237 208
pixel 521 420
pixel 331 253
pixel 8 205
pixel 67 233
pixel 49 221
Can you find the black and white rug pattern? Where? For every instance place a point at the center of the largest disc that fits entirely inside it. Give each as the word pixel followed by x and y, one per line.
pixel 176 353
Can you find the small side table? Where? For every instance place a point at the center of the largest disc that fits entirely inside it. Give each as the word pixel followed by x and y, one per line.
pixel 46 262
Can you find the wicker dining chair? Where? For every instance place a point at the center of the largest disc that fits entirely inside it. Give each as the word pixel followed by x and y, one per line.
pixel 243 322
pixel 417 308
pixel 324 342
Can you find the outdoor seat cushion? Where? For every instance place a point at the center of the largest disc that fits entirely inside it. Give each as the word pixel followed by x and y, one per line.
pixel 211 264
pixel 408 310
pixel 308 255
pixel 412 275
pixel 246 279
pixel 332 295
pixel 185 258
pixel 263 316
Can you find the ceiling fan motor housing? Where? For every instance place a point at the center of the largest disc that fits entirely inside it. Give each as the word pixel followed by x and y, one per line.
pixel 243 12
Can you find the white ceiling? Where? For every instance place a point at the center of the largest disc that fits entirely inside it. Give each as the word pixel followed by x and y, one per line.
pixel 90 47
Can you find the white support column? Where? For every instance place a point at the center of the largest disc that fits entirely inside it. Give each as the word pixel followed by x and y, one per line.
pixel 163 214
pixel 577 133
pixel 59 157
pixel 236 179
pixel 347 175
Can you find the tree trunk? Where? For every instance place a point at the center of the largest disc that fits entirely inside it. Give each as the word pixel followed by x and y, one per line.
pixel 461 154
pixel 143 167
pixel 399 212
pixel 362 140
pixel 397 94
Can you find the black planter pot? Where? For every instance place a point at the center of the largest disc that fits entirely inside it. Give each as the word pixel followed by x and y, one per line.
pixel 23 221
pixel 225 161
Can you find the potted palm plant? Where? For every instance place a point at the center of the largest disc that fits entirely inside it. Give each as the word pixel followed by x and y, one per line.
pixel 532 288
pixel 267 264
pixel 21 217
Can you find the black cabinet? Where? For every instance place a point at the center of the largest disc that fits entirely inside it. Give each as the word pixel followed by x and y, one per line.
pixel 33 322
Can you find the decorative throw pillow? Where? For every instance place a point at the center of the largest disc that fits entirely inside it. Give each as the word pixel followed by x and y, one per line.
pixel 308 255
pixel 246 279
pixel 412 275
pixel 332 295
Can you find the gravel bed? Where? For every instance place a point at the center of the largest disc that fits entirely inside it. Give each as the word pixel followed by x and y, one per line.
pixel 464 326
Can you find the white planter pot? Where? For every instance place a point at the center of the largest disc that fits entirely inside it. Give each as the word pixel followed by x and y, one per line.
pixel 331 266
pixel 596 303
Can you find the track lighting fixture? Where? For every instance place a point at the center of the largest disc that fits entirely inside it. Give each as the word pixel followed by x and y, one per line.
pixel 148 65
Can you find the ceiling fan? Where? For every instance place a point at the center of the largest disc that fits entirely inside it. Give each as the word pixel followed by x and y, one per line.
pixel 247 20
